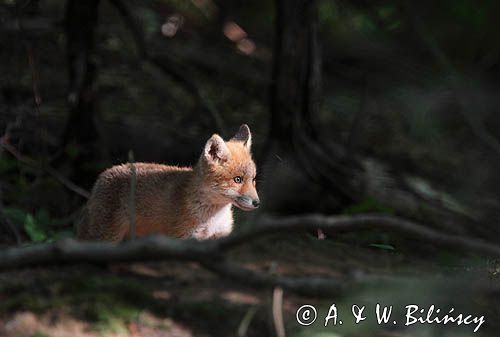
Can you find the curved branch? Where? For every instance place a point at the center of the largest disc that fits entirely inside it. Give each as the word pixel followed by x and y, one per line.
pixel 308 285
pixel 321 286
pixel 135 29
pixel 153 248
pixel 353 223
pixel 163 248
pixel 210 254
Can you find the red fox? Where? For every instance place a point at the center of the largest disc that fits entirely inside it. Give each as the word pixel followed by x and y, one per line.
pixel 182 202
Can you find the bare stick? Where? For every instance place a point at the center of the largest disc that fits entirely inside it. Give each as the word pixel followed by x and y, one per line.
pixel 133 184
pixel 34 78
pixel 245 322
pixel 279 325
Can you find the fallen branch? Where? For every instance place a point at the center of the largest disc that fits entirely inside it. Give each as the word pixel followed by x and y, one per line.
pixel 210 254
pixel 353 223
pixel 153 248
pixel 159 247
pixel 206 253
pixel 306 285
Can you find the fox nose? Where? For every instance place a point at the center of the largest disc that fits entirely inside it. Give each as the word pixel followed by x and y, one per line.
pixel 256 202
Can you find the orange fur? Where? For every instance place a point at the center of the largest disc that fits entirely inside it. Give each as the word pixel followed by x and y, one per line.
pixel 181 202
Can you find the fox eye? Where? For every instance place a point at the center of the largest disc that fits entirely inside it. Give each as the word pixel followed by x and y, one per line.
pixel 238 179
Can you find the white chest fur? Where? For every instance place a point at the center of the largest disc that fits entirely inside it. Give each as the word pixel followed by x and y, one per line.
pixel 218 225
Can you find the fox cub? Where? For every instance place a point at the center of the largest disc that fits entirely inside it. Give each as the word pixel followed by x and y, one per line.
pixel 181 202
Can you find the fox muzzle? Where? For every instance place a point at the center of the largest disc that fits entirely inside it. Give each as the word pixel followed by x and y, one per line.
pixel 247 203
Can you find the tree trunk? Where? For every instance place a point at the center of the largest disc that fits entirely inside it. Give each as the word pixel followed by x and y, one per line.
pixel 81 19
pixel 295 88
pixel 294 140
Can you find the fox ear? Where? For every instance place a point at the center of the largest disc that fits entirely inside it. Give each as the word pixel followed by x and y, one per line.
pixel 244 135
pixel 216 150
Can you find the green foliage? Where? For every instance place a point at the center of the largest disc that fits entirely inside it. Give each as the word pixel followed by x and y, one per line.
pixel 114 301
pixel 16 215
pixel 111 319
pixel 389 15
pixel 363 23
pixel 382 246
pixel 22 182
pixel 33 229
pixel 149 19
pixel 470 13
pixel 72 151
pixel 386 11
pixel 327 12
pixel 7 164
pixel 35 225
pixel 40 334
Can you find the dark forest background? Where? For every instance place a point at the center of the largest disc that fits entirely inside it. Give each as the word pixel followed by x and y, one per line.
pixel 356 107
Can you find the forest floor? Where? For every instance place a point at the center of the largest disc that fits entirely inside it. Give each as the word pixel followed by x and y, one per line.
pixel 182 299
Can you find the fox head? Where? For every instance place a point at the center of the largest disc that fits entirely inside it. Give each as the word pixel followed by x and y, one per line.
pixel 229 170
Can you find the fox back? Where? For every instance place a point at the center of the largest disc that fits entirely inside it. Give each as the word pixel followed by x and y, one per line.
pixel 181 202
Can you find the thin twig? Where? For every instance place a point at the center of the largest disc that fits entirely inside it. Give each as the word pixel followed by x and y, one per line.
pixel 21 158
pixel 279 324
pixel 34 78
pixel 245 322
pixel 133 184
pixel 160 64
pixel 6 221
